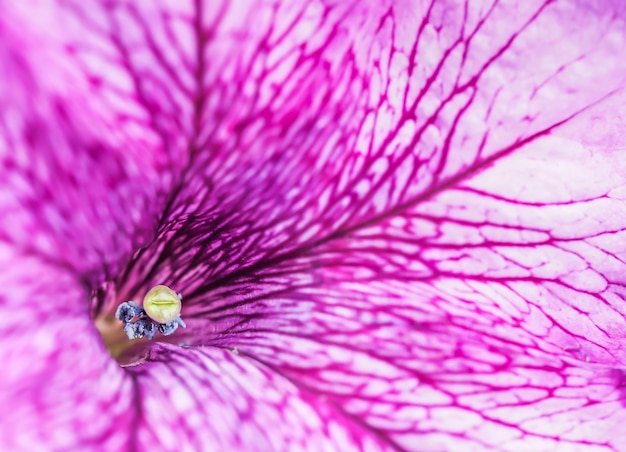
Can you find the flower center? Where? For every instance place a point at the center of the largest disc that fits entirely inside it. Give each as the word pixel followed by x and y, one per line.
pixel 127 331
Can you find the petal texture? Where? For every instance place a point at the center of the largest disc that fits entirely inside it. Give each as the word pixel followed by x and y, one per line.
pixel 192 398
pixel 81 183
pixel 59 389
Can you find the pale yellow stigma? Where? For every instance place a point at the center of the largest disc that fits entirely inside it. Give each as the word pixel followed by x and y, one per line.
pixel 162 304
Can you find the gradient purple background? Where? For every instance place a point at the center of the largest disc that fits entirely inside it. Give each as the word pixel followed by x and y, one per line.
pixel 395 224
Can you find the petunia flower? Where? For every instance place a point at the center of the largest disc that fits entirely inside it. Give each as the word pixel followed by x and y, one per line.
pixel 394 224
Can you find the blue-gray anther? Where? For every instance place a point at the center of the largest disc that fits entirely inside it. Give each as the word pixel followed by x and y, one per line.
pixel 132 331
pixel 141 328
pixel 149 328
pixel 128 311
pixel 168 328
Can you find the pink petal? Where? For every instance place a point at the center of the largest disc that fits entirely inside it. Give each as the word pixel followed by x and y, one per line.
pixel 59 388
pixel 192 398
pixel 438 367
pixel 83 178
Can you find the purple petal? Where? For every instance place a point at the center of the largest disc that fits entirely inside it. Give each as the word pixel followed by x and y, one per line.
pixel 59 388
pixel 194 397
pixel 85 179
pixel 429 367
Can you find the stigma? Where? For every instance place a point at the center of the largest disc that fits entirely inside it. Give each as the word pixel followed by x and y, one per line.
pixel 160 312
pixel 162 304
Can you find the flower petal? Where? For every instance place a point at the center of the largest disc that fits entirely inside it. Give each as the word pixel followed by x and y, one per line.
pixel 426 150
pixel 83 184
pixel 59 388
pixel 441 367
pixel 190 398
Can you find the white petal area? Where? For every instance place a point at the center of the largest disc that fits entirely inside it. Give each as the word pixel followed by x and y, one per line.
pixel 433 368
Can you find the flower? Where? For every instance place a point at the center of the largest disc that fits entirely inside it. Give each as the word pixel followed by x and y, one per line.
pixel 395 225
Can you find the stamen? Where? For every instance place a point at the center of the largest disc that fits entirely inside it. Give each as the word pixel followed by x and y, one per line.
pixel 128 311
pixel 141 328
pixel 160 311
pixel 168 328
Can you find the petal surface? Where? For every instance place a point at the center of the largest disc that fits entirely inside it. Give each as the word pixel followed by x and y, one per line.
pixel 194 397
pixel 59 389
pixel 82 179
